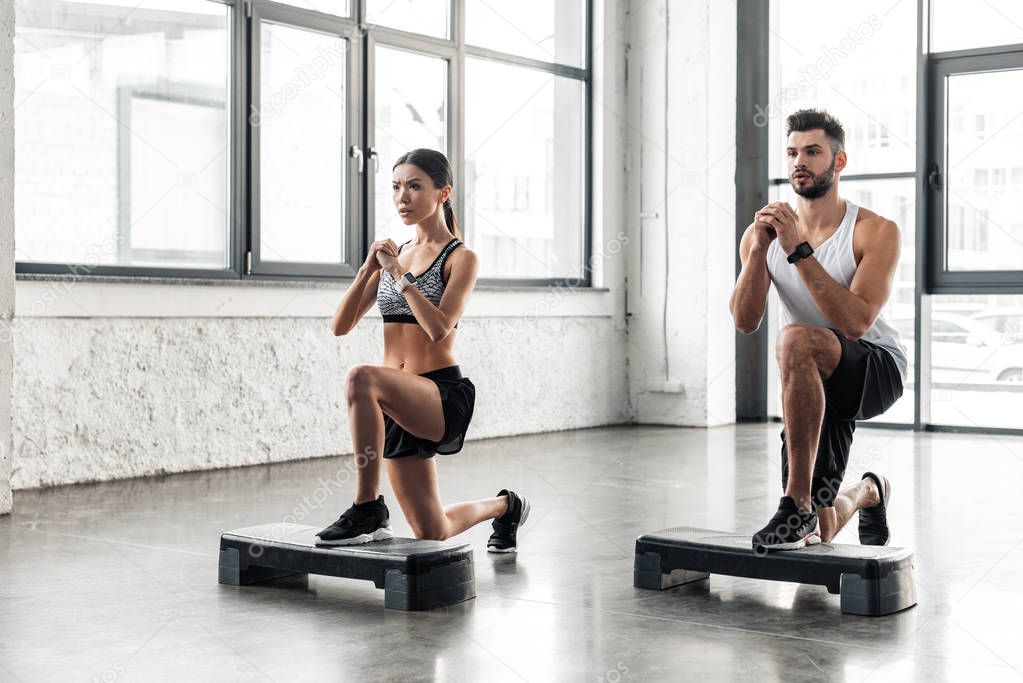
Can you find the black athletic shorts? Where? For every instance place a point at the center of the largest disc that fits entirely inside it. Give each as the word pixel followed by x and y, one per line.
pixel 457 398
pixel 866 383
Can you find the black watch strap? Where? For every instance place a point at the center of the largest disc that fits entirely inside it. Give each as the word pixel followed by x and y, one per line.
pixel 801 252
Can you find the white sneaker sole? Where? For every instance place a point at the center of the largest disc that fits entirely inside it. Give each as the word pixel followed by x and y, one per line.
pixel 381 534
pixel 887 505
pixel 522 520
pixel 501 551
pixel 525 512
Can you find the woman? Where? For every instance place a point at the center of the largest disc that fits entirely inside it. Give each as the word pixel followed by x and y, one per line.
pixel 417 403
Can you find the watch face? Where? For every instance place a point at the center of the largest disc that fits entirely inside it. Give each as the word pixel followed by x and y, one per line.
pixel 409 278
pixel 801 252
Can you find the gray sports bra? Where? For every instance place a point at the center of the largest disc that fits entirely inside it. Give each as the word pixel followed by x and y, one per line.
pixel 392 304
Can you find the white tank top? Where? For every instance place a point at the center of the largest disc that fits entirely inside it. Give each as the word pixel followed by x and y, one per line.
pixel 837 258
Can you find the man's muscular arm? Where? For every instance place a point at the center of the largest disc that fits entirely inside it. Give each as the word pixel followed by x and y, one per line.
pixel 749 299
pixel 852 311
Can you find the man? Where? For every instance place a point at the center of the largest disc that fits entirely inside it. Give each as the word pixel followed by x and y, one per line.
pixel 832 264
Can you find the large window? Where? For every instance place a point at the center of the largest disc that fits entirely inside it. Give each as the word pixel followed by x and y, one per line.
pixel 976 171
pixel 975 374
pixel 522 187
pixel 522 84
pixel 122 129
pixel 932 136
pixel 965 24
pixel 248 138
pixel 853 59
pixel 429 17
pixel 974 377
pixel 303 187
pixel 859 66
pixel 525 169
pixel 410 112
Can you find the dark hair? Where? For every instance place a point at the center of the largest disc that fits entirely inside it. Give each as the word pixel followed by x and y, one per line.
pixel 812 119
pixel 435 165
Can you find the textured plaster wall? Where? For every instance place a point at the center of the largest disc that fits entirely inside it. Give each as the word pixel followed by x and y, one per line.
pixel 99 399
pixel 6 242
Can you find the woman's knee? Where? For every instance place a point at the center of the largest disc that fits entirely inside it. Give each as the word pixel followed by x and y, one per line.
pixel 431 532
pixel 360 382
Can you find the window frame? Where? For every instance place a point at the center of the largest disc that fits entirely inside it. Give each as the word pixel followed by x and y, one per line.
pixel 352 239
pixel 940 280
pixel 583 75
pixel 244 262
pixel 235 92
pixel 427 46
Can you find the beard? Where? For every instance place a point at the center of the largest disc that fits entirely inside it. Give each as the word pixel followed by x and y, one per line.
pixel 820 185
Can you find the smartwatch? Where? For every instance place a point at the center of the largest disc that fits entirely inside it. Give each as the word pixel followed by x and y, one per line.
pixel 406 280
pixel 801 252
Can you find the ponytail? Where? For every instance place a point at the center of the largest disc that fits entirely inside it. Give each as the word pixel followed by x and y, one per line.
pixel 449 218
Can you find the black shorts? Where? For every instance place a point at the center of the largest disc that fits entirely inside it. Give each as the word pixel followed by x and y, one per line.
pixel 457 398
pixel 866 383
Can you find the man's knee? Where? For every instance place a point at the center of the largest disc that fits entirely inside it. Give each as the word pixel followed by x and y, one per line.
pixel 802 345
pixel 794 345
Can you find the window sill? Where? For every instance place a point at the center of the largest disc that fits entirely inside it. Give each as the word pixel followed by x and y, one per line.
pixel 57 296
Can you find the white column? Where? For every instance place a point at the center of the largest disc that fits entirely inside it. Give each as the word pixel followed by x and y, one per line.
pixel 682 83
pixel 6 242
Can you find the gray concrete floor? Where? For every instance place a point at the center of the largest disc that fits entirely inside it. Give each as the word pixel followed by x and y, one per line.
pixel 118 581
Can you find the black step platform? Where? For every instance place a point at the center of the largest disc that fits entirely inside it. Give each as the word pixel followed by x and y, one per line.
pixel 415 575
pixel 872 580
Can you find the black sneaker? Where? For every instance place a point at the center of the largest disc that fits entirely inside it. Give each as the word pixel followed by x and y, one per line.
pixel 507 525
pixel 360 523
pixel 874 519
pixel 790 528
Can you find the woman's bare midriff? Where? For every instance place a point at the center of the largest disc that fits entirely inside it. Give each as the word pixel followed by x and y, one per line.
pixel 407 347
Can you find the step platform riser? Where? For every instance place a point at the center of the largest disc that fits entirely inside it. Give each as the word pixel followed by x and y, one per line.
pixel 871 580
pixel 414 575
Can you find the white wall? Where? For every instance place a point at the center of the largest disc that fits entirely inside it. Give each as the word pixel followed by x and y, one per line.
pixel 117 380
pixel 6 242
pixel 681 202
